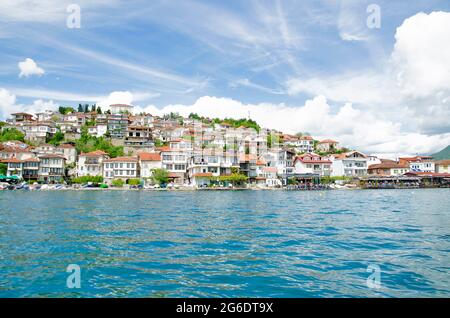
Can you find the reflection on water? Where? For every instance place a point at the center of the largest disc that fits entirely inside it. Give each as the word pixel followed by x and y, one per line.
pixel 230 244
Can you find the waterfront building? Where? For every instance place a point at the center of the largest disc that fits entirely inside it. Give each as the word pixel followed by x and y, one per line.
pixel 266 176
pixel 205 164
pixel 51 168
pixel 120 168
pixel 388 168
pixel 312 163
pixel 149 161
pixel 442 166
pixel 91 163
pixel 419 163
pixel 175 161
pixel 248 167
pixel 26 169
pixel 350 164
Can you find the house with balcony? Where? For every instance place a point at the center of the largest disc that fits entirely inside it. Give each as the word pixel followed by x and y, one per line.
pixel 248 167
pixel 124 168
pixel 349 164
pixel 139 137
pixel 205 164
pixel 51 168
pixel 419 163
pixel 117 125
pixel 175 161
pixel 312 163
pixel 282 159
pixel 21 117
pixel 303 144
pixel 38 132
pixel 91 163
pixel 26 169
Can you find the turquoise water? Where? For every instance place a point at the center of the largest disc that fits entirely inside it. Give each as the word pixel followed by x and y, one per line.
pixel 225 244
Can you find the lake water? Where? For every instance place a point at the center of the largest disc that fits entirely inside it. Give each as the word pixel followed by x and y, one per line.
pixel 226 244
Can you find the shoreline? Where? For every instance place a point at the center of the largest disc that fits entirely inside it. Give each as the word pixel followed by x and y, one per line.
pixel 201 190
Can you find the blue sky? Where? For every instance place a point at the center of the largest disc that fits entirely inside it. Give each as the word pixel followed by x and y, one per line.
pixel 277 53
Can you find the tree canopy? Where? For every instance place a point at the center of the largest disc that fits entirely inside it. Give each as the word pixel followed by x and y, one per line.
pixel 88 143
pixel 12 134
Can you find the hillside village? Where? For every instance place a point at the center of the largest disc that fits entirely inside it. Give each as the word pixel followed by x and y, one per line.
pixel 117 147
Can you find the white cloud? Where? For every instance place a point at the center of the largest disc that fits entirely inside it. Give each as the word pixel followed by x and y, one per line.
pixel 9 105
pixel 353 127
pixel 421 56
pixel 29 67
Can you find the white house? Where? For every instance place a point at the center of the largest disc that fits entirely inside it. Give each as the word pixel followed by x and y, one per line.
pixel 121 108
pixel 121 168
pixel 419 163
pixel 312 163
pixel 148 161
pixel 350 164
pixel 91 163
pixel 51 167
pixel 303 144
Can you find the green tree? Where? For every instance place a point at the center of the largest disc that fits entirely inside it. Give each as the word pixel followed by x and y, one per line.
pixel 99 110
pixel 3 169
pixel 65 110
pixel 88 143
pixel 94 108
pixel 160 176
pixel 12 134
pixel 56 139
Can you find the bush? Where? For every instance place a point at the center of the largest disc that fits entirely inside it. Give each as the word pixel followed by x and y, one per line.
pixel 86 179
pixel 134 182
pixel 118 183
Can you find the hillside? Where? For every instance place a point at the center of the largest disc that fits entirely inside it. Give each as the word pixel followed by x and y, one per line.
pixel 443 154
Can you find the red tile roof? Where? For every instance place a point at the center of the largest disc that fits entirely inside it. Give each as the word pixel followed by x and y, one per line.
pixel 96 153
pixel 328 141
pixel 388 165
pixel 149 156
pixel 122 159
